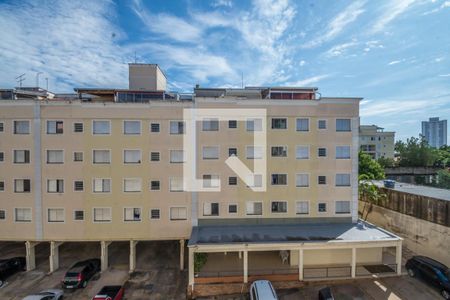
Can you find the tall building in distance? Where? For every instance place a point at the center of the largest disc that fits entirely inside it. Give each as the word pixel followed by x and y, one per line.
pixel 376 142
pixel 435 132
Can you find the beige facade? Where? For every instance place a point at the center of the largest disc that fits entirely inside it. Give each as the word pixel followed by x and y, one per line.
pixel 376 142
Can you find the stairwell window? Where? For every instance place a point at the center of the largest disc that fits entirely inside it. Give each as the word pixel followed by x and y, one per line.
pixel 2 214
pixel 78 215
pixel 322 179
pixel 155 185
pixel 154 127
pixel 322 124
pixel 322 207
pixel 78 127
pixel 155 214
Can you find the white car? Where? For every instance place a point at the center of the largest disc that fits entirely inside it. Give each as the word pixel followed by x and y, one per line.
pixel 51 294
pixel 262 290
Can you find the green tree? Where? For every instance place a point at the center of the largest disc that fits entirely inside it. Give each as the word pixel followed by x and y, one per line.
pixel 415 153
pixel 370 194
pixel 370 167
pixel 386 162
pixel 442 157
pixel 443 179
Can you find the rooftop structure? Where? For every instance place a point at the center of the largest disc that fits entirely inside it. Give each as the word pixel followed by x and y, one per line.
pixel 376 142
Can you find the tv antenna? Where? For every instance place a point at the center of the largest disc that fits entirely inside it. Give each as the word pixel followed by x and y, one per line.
pixel 20 79
pixel 37 78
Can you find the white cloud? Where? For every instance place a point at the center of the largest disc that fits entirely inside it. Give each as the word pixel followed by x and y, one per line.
pixel 396 106
pixel 338 50
pixel 394 62
pixel 435 10
pixel 444 75
pixel 225 3
pixel 302 63
pixel 308 81
pixel 391 12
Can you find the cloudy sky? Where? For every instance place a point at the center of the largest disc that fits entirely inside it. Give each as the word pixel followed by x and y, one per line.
pixel 395 54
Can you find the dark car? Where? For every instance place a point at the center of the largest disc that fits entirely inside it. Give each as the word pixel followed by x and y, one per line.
pixel 11 266
pixel 110 292
pixel 326 294
pixel 431 271
pixel 80 273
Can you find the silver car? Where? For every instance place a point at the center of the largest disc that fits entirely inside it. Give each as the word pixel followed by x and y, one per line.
pixel 50 294
pixel 262 290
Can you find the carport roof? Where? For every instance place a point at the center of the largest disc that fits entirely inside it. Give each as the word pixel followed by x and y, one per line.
pixel 288 233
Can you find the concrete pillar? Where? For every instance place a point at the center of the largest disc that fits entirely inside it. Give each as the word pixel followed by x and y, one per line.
pixel 191 268
pixel 30 255
pixel 398 257
pixel 353 262
pixel 104 255
pixel 300 264
pixel 133 256
pixel 181 255
pixel 54 256
pixel 240 255
pixel 245 266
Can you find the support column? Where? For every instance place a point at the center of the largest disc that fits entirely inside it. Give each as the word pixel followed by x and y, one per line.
pixel 181 255
pixel 30 255
pixel 54 256
pixel 353 262
pixel 104 255
pixel 133 256
pixel 300 264
pixel 245 266
pixel 191 268
pixel 398 257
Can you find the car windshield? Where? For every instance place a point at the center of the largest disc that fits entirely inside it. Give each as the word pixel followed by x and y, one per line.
pixel 442 277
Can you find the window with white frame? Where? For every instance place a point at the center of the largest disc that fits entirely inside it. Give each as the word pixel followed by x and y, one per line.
pixel 78 215
pixel 155 185
pixel 77 127
pixel 232 151
pixel 322 207
pixel 155 213
pixel 232 208
pixel 21 156
pixel 279 123
pixel 254 152
pixel 102 185
pixel 56 215
pixel 210 152
pixel 55 156
pixel 302 207
pixel 342 152
pixel 343 125
pixel 176 156
pixel 302 180
pixel 232 180
pixel 232 124
pixel 78 185
pixel 279 151
pixel 254 180
pixel 2 214
pixel 254 124
pixel 211 181
pixel 178 213
pixel 342 207
pixel 131 214
pixel 78 156
pixel 302 124
pixel 321 179
pixel 279 179
pixel 2 129
pixel 21 127
pixel 322 124
pixel 131 127
pixel 2 186
pixel 55 186
pixel 279 206
pixel 176 184
pixel 22 185
pixel 176 127
pixel 132 156
pixel 210 125
pixel 132 184
pixel 253 208
pixel 210 209
pixel 2 156
pixel 342 179
pixel 102 214
pixel 22 214
pixel 155 156
pixel 101 156
pixel 302 152
pixel 55 127
pixel 154 127
pixel 322 152
pixel 101 127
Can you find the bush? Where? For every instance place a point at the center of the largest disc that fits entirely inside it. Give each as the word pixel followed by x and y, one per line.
pixel 199 261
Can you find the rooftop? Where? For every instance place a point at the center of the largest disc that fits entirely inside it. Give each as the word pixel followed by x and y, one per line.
pixel 421 190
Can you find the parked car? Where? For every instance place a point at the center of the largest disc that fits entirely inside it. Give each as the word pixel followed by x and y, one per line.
pixel 431 271
pixel 326 294
pixel 110 292
pixel 80 273
pixel 262 290
pixel 11 266
pixel 51 294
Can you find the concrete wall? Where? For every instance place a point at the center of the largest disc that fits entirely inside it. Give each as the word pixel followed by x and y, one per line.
pixel 337 256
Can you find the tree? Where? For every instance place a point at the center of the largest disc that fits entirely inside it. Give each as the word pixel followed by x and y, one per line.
pixel 443 179
pixel 415 153
pixel 370 167
pixel 442 157
pixel 386 162
pixel 370 194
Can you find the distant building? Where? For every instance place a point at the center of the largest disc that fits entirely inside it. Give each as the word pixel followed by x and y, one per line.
pixel 435 132
pixel 376 142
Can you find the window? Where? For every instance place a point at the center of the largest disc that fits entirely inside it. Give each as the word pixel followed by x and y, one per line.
pixel 154 127
pixel 322 207
pixel 22 185
pixel 2 186
pixel 132 156
pixel 232 151
pixel 2 156
pixel 154 156
pixel 211 209
pixel 155 185
pixel 77 127
pixel 155 214
pixel 342 179
pixel 279 179
pixel 302 180
pixel 176 184
pixel 178 213
pixel 342 152
pixel 55 186
pixel 132 185
pixel 342 207
pixel 131 214
pixel 78 156
pixel 254 125
pixel 279 123
pixel 56 215
pixel 176 127
pixel 78 185
pixel 211 181
pixel 232 180
pixel 322 179
pixel 55 156
pixel 102 214
pixel 302 207
pixel 254 152
pixel 176 156
pixel 22 214
pixel 101 157
pixel 279 206
pixel 322 124
pixel 78 215
pixel 2 214
pixel 102 185
pixel 302 124
pixel 343 125
pixel 21 127
pixel 232 208
pixel 131 127
pixel 302 152
pixel 279 151
pixel 253 208
pixel 255 180
pixel 210 125
pixel 101 127
pixel 322 152
pixel 55 127
pixel 232 124
pixel 2 127
pixel 21 156
pixel 211 152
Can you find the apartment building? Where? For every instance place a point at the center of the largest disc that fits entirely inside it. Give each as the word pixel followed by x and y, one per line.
pixel 435 132
pixel 376 142
pixel 112 165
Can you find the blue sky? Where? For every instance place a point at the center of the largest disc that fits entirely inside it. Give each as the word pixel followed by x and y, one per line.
pixel 395 54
